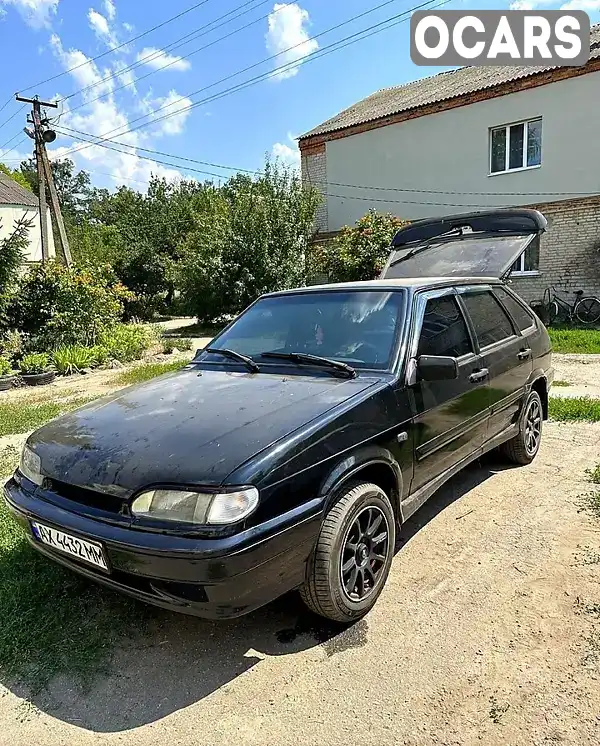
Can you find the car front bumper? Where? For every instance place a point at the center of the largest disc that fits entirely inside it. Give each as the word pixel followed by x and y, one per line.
pixel 216 578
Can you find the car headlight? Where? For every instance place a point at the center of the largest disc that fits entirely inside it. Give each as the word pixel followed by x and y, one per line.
pixel 31 465
pixel 186 506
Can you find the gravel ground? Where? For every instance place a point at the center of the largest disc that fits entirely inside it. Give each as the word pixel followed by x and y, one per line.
pixel 481 636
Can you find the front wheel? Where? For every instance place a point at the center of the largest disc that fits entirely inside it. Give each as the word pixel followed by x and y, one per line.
pixel 587 310
pixel 352 559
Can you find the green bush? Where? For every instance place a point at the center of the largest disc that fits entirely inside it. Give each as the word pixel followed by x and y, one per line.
pixel 99 354
pixel 73 359
pixel 4 366
pixel 360 252
pixel 36 362
pixel 176 343
pixel 11 345
pixel 57 306
pixel 126 342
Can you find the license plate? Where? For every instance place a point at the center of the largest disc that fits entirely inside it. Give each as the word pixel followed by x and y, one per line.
pixel 88 551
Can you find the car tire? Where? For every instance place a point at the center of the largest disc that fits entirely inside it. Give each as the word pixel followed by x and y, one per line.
pixel 523 448
pixel 351 549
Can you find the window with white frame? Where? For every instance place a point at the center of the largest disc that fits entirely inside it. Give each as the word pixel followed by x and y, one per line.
pixel 516 146
pixel 529 261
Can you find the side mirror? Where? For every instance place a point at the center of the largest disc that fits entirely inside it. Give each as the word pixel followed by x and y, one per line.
pixel 437 368
pixel 198 351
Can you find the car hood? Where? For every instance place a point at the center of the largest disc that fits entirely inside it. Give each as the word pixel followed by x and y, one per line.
pixel 191 427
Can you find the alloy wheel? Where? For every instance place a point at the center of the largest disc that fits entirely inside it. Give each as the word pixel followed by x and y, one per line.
pixel 533 427
pixel 364 553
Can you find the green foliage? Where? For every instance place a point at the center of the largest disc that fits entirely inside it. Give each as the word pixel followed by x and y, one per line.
pixel 74 190
pixel 100 355
pixel 561 384
pixel 126 342
pixel 569 340
pixel 12 254
pixel 145 372
pixel 176 343
pixel 36 362
pixel 73 359
pixel 11 345
pixel 5 366
pixel 360 252
pixel 578 409
pixel 60 306
pixel 248 237
pixel 15 175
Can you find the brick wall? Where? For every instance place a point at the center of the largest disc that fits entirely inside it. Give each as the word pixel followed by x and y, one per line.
pixel 569 250
pixel 314 171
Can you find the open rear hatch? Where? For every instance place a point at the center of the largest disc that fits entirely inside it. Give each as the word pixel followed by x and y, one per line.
pixel 479 244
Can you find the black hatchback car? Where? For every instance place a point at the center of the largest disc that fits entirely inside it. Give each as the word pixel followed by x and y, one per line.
pixel 291 450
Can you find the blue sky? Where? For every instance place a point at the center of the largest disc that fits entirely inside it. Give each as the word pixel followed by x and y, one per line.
pixel 40 39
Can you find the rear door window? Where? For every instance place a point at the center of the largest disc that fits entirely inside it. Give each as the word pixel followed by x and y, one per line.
pixel 490 320
pixel 522 318
pixel 444 330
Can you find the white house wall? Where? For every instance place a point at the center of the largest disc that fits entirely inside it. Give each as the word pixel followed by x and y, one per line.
pixel 449 152
pixel 10 214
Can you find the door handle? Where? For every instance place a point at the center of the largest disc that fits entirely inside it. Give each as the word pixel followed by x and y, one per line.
pixel 479 375
pixel 523 354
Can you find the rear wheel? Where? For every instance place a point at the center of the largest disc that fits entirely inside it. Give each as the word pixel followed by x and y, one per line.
pixel 553 310
pixel 587 310
pixel 523 448
pixel 353 555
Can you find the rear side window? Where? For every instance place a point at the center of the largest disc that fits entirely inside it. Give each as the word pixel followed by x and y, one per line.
pixel 521 317
pixel 444 330
pixel 489 318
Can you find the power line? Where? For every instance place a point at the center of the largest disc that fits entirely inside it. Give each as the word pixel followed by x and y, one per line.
pixel 10 118
pixel 319 183
pixel 328 194
pixel 376 28
pixel 119 46
pixel 14 147
pixel 10 98
pixel 170 47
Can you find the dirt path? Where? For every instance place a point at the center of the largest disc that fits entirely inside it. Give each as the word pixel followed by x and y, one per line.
pixel 582 372
pixel 481 637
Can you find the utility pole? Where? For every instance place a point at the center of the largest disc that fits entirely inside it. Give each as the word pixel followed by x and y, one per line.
pixel 41 135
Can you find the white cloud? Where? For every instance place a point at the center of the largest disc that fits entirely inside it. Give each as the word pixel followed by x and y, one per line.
pixel 173 104
pixel 581 5
pixel 523 5
pixel 100 26
pixel 36 13
pixel 128 27
pixel 110 10
pixel 288 37
pixel 126 76
pixel 105 117
pixel 287 154
pixel 157 58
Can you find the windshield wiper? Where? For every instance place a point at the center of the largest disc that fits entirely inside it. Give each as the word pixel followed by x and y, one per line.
pixel 251 364
pixel 305 357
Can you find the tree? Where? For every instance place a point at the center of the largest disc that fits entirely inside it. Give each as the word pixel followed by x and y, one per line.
pixel 360 252
pixel 15 175
pixel 12 254
pixel 251 236
pixel 74 189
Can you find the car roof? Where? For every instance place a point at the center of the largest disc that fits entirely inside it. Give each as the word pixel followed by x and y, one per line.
pixel 402 283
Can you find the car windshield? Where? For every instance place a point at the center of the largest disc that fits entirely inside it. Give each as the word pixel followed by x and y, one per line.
pixel 354 327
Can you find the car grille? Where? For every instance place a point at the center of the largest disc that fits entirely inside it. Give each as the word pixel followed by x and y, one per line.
pixel 91 498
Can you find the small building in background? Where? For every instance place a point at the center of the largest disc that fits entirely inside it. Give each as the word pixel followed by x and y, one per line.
pixel 17 202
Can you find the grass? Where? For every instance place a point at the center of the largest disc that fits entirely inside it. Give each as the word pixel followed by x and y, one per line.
pixel 573 340
pixel 53 622
pixel 594 474
pixel 575 409
pixel 561 383
pixel 21 416
pixel 145 372
pixel 9 459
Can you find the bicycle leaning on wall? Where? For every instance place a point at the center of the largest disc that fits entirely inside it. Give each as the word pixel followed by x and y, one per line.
pixel 584 309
